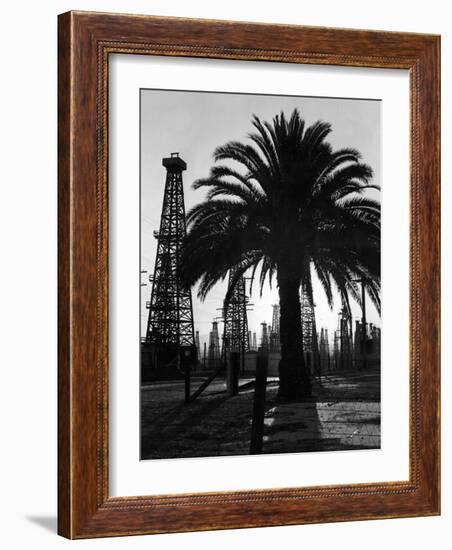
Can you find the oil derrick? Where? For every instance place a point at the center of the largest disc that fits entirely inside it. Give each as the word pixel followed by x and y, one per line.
pixel 324 350
pixel 336 349
pixel 358 343
pixel 345 336
pixel 310 342
pixel 235 336
pixel 254 347
pixel 376 339
pixel 368 339
pixel 264 340
pixel 213 354
pixel 198 346
pixel 170 321
pixel 275 344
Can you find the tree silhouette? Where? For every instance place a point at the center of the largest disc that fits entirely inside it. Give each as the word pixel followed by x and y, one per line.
pixel 286 204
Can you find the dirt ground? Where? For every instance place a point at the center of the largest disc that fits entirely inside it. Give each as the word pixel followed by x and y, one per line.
pixel 343 413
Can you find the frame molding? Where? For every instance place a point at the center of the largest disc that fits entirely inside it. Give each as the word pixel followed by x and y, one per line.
pixel 85 41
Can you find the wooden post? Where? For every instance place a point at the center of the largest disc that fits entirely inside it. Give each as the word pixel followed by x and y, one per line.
pixel 187 385
pixel 233 369
pixel 257 427
pixel 187 359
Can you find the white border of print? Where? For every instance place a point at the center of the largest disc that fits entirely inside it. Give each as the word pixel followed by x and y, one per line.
pixel 130 476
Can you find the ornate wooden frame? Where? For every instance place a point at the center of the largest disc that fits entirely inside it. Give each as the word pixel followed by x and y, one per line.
pixel 85 42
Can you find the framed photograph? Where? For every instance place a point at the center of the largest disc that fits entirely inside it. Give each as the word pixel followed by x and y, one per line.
pixel 248 275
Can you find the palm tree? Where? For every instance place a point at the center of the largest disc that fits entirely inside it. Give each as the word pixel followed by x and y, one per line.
pixel 289 204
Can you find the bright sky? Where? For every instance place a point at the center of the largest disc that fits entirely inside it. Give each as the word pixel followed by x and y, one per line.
pixel 194 124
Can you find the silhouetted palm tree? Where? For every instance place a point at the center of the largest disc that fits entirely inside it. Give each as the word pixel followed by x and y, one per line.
pixel 291 205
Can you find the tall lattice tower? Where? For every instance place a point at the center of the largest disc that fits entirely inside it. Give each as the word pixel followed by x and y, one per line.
pixel 376 338
pixel 197 344
pixel 170 321
pixel 324 350
pixel 358 339
pixel 264 340
pixel 336 349
pixel 214 346
pixel 310 342
pixel 345 336
pixel 254 346
pixel 345 329
pixel 275 342
pixel 236 319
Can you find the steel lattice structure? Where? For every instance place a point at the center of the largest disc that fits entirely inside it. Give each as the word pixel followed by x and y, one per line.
pixel 345 332
pixel 310 343
pixel 275 340
pixel 170 321
pixel 324 349
pixel 214 346
pixel 264 340
pixel 236 319
pixel 343 344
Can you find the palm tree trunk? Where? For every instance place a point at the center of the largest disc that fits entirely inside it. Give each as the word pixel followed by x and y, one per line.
pixel 294 381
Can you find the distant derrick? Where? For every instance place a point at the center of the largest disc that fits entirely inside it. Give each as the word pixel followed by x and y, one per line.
pixel 324 350
pixel 264 339
pixel 275 342
pixel 197 344
pixel 236 336
pixel 345 331
pixel 213 354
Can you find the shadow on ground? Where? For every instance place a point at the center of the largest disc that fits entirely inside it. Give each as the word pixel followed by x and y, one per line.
pixel 49 523
pixel 344 413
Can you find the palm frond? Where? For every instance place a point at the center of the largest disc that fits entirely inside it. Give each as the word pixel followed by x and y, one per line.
pixel 286 194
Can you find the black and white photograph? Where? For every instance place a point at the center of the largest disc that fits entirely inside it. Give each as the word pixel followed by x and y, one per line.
pixel 226 254
pixel 260 291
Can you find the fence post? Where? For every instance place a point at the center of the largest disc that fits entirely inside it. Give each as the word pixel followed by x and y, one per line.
pixel 257 426
pixel 187 385
pixel 187 358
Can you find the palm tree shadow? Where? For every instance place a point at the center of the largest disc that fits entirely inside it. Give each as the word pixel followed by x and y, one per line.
pixel 292 427
pixel 180 420
pixel 49 523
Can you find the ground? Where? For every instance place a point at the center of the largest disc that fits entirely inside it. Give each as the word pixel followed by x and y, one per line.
pixel 343 413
